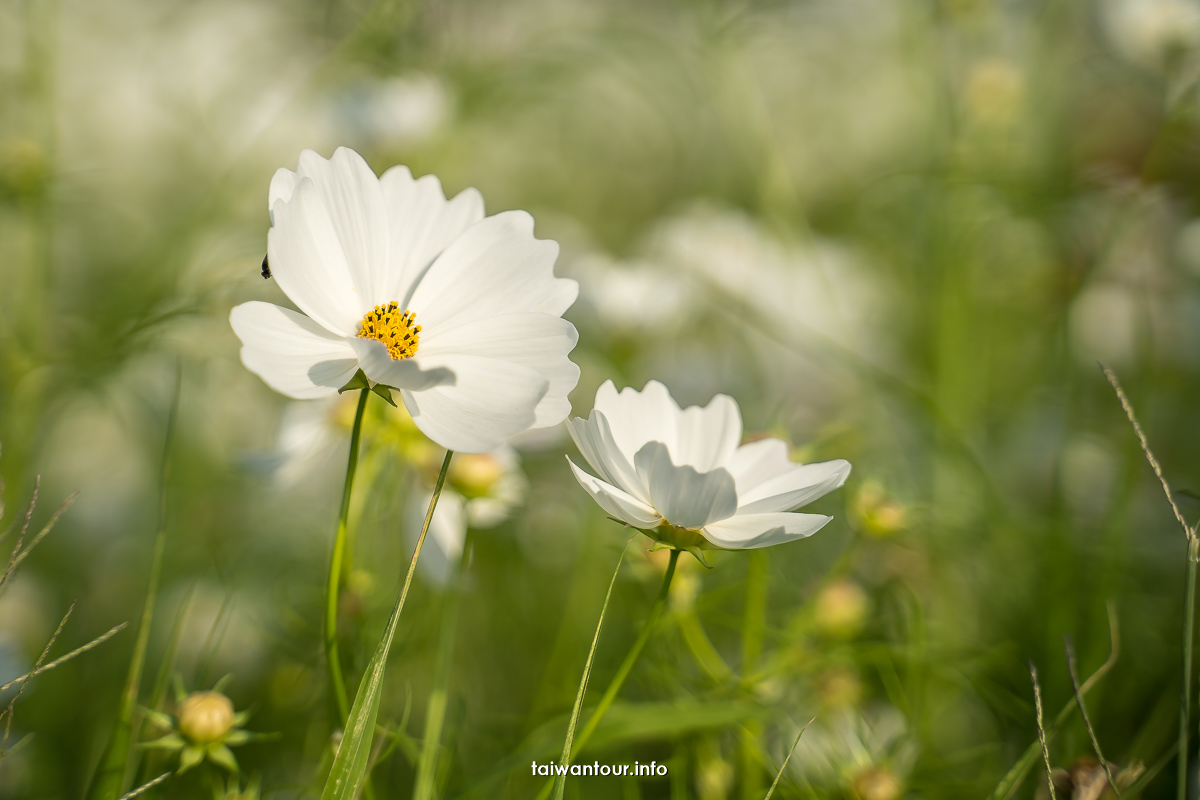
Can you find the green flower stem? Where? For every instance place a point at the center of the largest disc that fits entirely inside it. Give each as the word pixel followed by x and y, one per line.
pixel 610 694
pixel 1185 700
pixel 753 625
pixel 336 567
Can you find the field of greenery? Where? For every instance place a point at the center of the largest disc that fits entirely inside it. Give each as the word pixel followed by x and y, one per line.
pixel 908 235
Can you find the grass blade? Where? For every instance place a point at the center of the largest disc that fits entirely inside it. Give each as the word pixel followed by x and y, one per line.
pixel 787 758
pixel 560 781
pixel 349 770
pixel 1015 777
pixel 109 781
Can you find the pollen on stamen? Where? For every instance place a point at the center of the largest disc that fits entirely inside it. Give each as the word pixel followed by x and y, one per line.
pixel 396 329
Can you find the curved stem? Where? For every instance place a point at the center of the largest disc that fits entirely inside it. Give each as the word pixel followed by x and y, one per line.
pixel 610 694
pixel 336 681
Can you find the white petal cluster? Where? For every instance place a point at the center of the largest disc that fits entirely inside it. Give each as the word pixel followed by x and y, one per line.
pixel 492 359
pixel 684 472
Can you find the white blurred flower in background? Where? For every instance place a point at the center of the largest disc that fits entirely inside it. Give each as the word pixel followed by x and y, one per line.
pixel 815 292
pixel 402 110
pixel 1153 33
pixel 632 296
pixel 867 751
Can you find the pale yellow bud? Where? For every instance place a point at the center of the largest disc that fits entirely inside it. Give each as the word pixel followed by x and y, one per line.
pixel 842 608
pixel 877 783
pixel 473 474
pixel 205 717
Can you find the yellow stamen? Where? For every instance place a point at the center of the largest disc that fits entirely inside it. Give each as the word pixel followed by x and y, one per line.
pixel 395 329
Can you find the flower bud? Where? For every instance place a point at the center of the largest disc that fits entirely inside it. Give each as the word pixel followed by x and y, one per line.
pixel 473 474
pixel 205 717
pixel 876 783
pixel 841 608
pixel 880 514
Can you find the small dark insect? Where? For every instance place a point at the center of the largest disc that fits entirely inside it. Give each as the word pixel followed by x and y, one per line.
pixel 266 268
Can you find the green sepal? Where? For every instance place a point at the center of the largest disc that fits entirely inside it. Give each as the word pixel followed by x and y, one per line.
pixel 359 381
pixel 699 554
pixel 172 741
pixel 241 717
pixel 385 392
pixel 220 685
pixel 222 756
pixel 159 718
pixel 189 757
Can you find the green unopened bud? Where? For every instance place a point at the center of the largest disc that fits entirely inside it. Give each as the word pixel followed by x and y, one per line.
pixel 205 717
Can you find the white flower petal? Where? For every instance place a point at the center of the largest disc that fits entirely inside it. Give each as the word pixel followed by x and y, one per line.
pixel 283 184
pixel 495 267
pixel 408 373
pixel 422 224
pixel 616 502
pixel 308 263
pixel 801 484
pixel 594 439
pixel 748 531
pixel 532 339
pixel 636 418
pixel 351 196
pixel 488 401
pixel 289 351
pixel 755 462
pixel 707 437
pixel 687 498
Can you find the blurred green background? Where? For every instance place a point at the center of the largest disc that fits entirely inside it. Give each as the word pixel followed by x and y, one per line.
pixel 897 233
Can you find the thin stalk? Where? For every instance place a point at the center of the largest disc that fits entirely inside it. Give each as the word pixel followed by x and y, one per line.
pixel 1185 698
pixel 610 694
pixel 754 620
pixel 560 782
pixel 336 681
pixel 435 715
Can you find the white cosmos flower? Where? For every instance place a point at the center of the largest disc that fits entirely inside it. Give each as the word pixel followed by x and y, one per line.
pixel 683 475
pixel 459 312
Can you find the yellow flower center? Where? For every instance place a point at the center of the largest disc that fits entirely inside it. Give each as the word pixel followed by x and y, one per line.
pixel 392 327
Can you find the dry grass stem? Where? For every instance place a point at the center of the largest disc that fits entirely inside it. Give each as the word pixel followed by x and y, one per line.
pixel 787 758
pixel 99 640
pixel 1154 465
pixel 1037 704
pixel 145 787
pixel 8 711
pixel 1087 723
pixel 13 559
